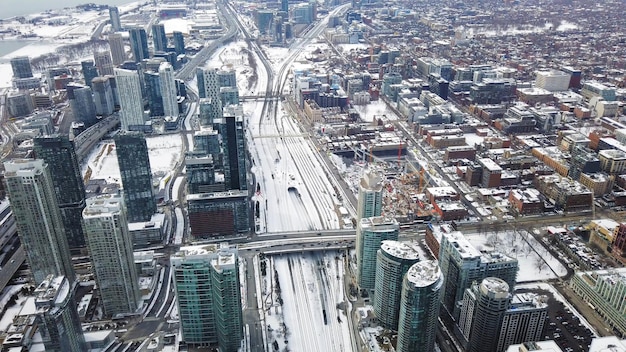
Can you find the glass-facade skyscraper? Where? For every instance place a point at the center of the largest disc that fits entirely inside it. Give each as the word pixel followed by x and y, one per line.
pixel 56 316
pixel 89 71
pixel 168 90
pixel 419 307
pixel 179 42
pixel 59 153
pixel 461 264
pixel 139 44
pixel 484 308
pixel 208 87
pixel 21 67
pixel 369 235
pixel 206 279
pixel 159 39
pixel 231 129
pixel 393 260
pixel 81 102
pixel 370 199
pixel 134 163
pixel 153 90
pixel 114 17
pixel 118 53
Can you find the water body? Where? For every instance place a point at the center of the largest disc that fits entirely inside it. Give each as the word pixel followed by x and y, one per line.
pixel 12 8
pixel 9 46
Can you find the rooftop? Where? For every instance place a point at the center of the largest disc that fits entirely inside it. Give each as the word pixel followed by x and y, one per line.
pixel 400 250
pixel 494 287
pixel 424 273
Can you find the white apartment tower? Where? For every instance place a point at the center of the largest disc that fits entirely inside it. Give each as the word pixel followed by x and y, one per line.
pixel 38 218
pixel 131 102
pixel 111 250
pixel 370 200
pixel 553 80
pixel 168 89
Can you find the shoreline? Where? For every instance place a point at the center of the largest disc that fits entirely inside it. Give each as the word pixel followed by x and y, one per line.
pixel 47 40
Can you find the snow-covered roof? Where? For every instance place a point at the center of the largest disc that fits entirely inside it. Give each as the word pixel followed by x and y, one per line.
pixel 424 273
pixel 494 287
pixel 400 250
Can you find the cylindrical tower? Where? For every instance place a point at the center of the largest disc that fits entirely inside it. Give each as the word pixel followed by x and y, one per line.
pixel 393 260
pixel 419 307
pixel 492 301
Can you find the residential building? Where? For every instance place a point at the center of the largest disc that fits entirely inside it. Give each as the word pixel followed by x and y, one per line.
pixel 139 44
pixel 104 63
pixel 116 44
pixel 114 17
pixel 613 161
pixel 461 264
pixel 370 198
pixel 134 163
pixel 524 320
pixel 38 218
pixel 605 291
pixel 111 252
pixel 159 39
pixel 168 90
pixel 206 279
pixel 131 101
pixel 483 310
pixel 393 260
pixel 58 152
pixel 231 129
pixel 153 93
pixel 89 71
pixel 179 42
pixel 208 87
pixel 81 102
pixel 103 96
pixel 57 317
pixel 21 67
pixel 371 232
pixel 419 307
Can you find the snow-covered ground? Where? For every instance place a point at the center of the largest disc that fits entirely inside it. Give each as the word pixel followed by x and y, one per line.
pixel 11 311
pixel 177 24
pixel 310 287
pixel 535 261
pixel 164 152
pixel 376 109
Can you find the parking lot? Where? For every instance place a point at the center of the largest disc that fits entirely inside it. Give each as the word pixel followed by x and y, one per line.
pixel 563 326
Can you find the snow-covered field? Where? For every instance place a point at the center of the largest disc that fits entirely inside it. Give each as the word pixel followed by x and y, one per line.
pixel 535 262
pixel 164 152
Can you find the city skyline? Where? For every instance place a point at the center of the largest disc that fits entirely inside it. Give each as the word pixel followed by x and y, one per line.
pixel 316 176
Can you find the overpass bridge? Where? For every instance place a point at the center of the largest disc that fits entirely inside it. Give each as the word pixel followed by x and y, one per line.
pixel 86 140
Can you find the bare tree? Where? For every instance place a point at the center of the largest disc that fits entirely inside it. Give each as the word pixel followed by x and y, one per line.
pixel 540 264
